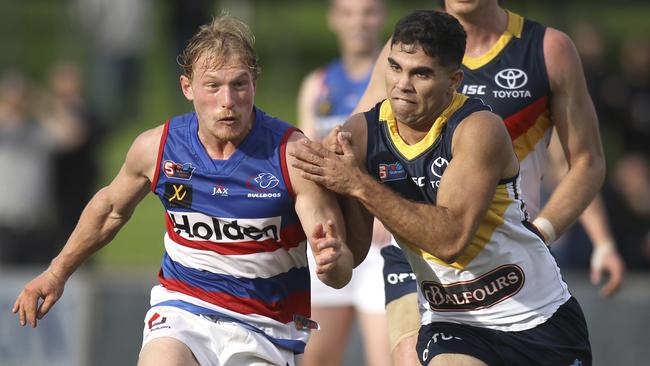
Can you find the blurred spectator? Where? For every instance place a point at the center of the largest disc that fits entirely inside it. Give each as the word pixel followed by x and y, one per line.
pixel 592 47
pixel 635 70
pixel 185 18
pixel 627 197
pixel 119 32
pixel 75 169
pixel 27 147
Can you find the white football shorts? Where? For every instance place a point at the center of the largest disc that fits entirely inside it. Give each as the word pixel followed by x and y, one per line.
pixel 214 341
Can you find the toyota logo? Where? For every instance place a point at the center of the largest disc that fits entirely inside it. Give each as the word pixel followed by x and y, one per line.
pixel 438 166
pixel 511 78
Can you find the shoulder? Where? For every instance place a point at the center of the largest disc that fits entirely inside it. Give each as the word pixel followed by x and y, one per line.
pixel 481 128
pixel 560 53
pixel 143 154
pixel 293 140
pixel 312 81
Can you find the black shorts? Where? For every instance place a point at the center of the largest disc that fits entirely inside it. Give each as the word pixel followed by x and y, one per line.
pixel 399 279
pixel 562 340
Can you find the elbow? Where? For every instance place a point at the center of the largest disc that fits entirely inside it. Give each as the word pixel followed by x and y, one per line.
pixel 359 249
pixel 336 282
pixel 450 252
pixel 449 256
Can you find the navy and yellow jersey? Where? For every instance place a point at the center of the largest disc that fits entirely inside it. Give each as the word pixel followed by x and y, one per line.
pixel 415 173
pixel 506 278
pixel 511 78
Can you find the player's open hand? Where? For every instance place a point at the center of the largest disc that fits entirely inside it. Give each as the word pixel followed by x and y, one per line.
pixel 332 256
pixel 47 286
pixel 605 258
pixel 337 173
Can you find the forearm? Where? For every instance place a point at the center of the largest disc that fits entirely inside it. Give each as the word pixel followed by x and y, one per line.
pixel 574 193
pixel 97 226
pixel 430 228
pixel 594 221
pixel 358 227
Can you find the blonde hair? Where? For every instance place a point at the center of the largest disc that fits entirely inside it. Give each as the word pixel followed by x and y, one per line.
pixel 224 38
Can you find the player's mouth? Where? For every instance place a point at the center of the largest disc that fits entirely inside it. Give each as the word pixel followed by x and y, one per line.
pixel 403 100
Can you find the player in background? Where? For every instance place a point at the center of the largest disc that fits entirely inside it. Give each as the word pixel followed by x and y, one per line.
pixel 327 97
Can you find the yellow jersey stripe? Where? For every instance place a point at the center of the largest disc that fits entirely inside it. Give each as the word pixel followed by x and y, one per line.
pixel 514 29
pixel 411 152
pixel 526 142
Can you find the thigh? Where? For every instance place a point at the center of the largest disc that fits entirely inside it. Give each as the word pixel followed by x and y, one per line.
pixel 374 330
pixel 403 319
pixel 176 328
pixel 404 353
pixel 400 289
pixel 327 345
pixel 166 351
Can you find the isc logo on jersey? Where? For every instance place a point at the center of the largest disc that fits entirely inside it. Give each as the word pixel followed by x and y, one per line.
pixel 473 89
pixel 511 81
pixel 197 226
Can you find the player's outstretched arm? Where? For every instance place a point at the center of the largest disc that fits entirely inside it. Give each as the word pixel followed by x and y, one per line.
pixel 321 218
pixel 100 221
pixel 576 123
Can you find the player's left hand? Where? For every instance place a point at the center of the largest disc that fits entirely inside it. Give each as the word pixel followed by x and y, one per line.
pixel 606 258
pixel 338 173
pixel 333 258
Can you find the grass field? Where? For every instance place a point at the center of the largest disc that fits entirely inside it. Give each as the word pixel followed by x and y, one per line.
pixel 292 39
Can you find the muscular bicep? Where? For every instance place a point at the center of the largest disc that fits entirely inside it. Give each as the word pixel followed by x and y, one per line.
pixel 482 156
pixel 133 181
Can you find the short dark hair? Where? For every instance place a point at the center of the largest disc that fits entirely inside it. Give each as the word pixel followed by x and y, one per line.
pixel 438 34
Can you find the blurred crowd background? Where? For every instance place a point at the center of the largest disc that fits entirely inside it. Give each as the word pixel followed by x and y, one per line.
pixel 79 79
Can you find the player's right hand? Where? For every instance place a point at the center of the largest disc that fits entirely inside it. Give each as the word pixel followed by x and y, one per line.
pixel 47 286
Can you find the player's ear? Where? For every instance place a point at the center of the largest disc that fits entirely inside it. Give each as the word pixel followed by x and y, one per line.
pixel 456 77
pixel 186 87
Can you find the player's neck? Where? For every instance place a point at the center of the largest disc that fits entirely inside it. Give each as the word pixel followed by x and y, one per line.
pixel 483 30
pixel 358 65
